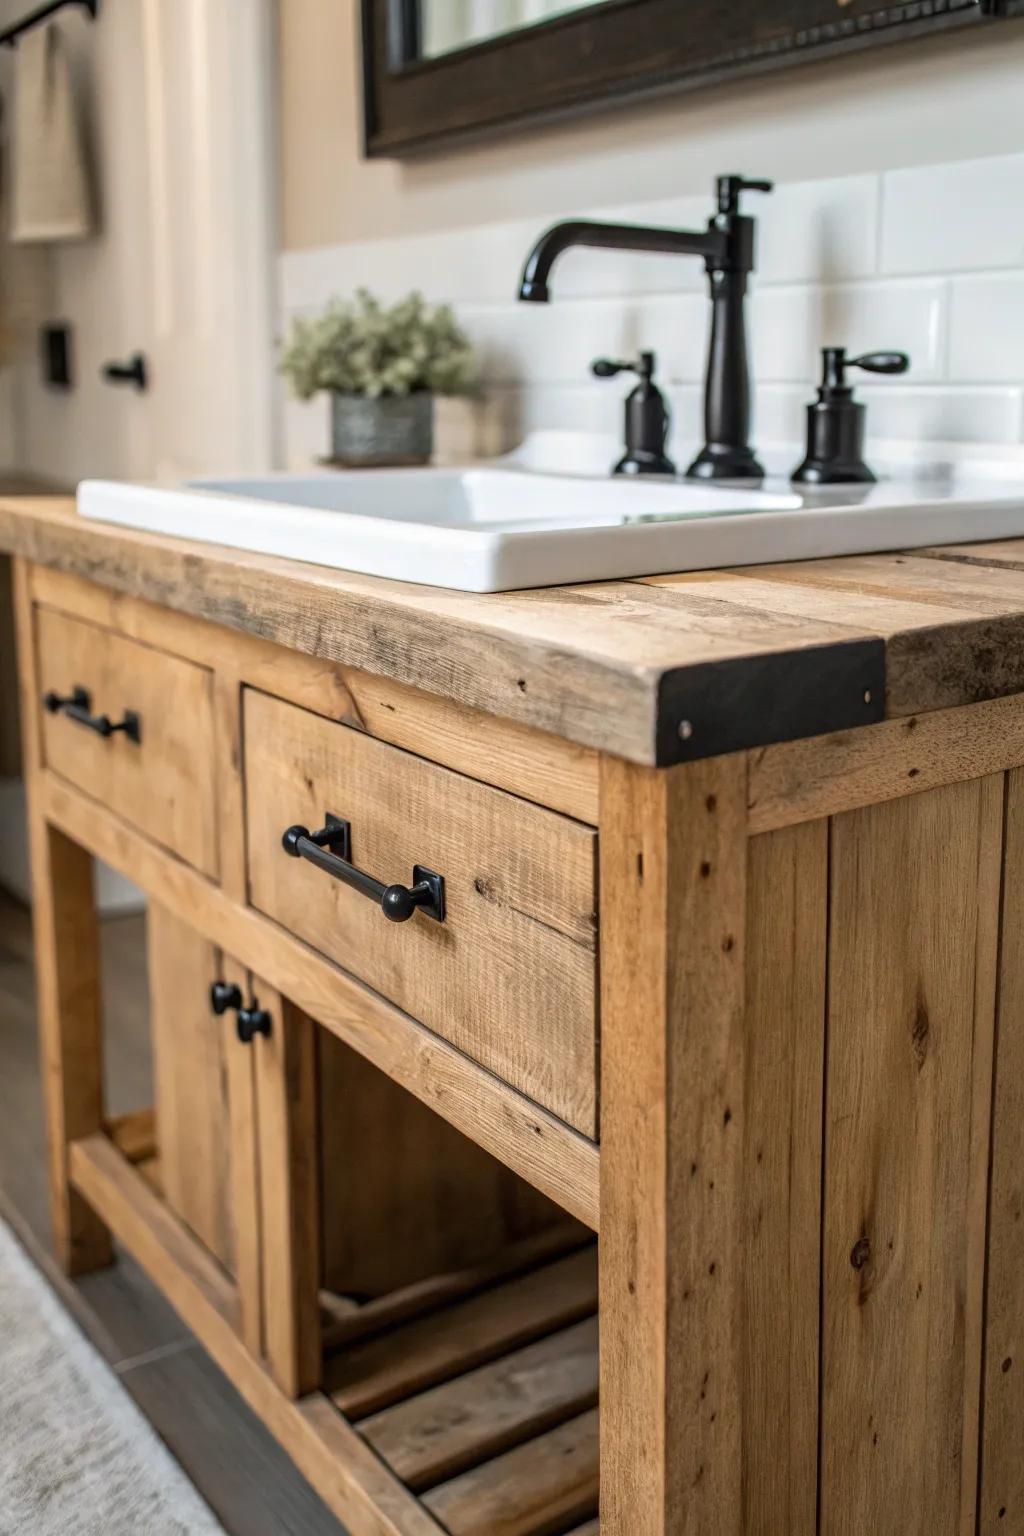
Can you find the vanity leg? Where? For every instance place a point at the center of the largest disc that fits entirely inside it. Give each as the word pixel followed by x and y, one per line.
pixel 68 1000
pixel 673 897
pixel 286 1079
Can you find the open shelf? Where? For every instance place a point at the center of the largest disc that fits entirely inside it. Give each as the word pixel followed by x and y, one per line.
pixel 485 1407
pixel 473 1416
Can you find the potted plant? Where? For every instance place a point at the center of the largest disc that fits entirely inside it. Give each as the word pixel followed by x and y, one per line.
pixel 382 368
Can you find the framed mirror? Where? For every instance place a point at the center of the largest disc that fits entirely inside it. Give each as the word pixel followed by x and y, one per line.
pixel 437 71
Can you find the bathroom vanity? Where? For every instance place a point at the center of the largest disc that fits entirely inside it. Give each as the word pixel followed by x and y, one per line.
pixel 709 947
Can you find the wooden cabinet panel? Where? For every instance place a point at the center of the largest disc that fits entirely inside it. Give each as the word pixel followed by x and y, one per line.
pixel 1001 1505
pixel 509 976
pixel 912 951
pixel 164 782
pixel 192 1051
pixel 405 1195
pixel 787 902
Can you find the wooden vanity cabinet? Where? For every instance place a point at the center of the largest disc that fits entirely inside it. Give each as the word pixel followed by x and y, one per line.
pixel 757 1020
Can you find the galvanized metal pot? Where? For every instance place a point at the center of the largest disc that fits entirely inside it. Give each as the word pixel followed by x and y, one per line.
pixel 393 430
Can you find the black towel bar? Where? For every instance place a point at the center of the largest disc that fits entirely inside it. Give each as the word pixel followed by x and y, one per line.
pixel 10 35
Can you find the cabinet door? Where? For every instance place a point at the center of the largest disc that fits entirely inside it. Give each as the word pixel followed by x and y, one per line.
pixel 231 1146
pixel 205 1104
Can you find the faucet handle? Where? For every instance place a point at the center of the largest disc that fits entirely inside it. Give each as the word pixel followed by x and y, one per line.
pixel 881 362
pixel 607 368
pixel 730 187
pixel 835 363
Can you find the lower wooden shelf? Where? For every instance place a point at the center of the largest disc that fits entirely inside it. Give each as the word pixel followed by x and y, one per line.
pixel 486 1407
pixel 470 1413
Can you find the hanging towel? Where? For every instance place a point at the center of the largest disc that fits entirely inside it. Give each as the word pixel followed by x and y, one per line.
pixel 49 187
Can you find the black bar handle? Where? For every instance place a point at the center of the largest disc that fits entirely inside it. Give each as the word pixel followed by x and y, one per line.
pixel 330 849
pixel 77 706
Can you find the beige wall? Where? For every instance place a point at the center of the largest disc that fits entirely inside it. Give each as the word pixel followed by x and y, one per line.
pixel 953 97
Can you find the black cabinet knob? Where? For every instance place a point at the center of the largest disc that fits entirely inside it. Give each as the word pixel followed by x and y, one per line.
pixel 252 1021
pixel 224 995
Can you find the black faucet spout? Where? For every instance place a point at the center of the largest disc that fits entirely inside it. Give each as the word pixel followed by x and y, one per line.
pixel 533 286
pixel 727 249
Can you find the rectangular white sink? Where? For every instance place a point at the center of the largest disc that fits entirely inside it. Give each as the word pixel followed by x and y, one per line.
pixel 494 529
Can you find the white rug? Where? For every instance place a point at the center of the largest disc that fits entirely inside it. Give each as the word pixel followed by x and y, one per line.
pixel 77 1458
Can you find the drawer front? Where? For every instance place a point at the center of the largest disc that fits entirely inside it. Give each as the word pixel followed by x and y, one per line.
pixel 162 782
pixel 509 976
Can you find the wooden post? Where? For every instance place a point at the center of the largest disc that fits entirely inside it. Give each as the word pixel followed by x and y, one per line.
pixel 68 1002
pixel 289 1193
pixel 673 898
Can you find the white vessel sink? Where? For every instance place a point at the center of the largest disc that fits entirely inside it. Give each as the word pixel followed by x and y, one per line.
pixel 494 529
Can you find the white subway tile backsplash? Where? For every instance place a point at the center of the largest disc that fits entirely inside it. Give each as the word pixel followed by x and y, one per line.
pixel 556 343
pixel 986 337
pixel 791 325
pixel 954 218
pixel 943 413
pixel 831 255
pixel 817 231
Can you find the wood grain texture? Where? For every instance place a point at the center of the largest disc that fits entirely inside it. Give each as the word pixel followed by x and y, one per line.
pixel 673 896
pixel 913 938
pixel 134 1135
pixel 504 658
pixel 368 1377
pixel 67 955
pixel 439 1434
pixel 510 976
pixel 1001 1498
pixel 163 783
pixel 10 737
pixel 347 1319
pixel 243 1135
pixel 428 1203
pixel 797 781
pixel 534 764
pixel 585 664
pixel 289 1185
pixel 781 1189
pixel 536 1145
pixel 340 1466
pixel 539 1486
pixel 190 1074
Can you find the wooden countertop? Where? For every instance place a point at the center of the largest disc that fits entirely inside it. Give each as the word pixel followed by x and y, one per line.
pixel 657 670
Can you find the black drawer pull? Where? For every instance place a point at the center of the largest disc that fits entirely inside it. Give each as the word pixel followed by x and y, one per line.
pixel 330 850
pixel 78 707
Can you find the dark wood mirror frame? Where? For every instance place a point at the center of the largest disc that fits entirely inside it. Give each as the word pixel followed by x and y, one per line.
pixel 623 50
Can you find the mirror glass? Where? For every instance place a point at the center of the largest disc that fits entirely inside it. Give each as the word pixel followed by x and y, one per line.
pixel 448 25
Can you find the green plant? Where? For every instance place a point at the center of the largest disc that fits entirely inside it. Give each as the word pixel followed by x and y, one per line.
pixel 359 347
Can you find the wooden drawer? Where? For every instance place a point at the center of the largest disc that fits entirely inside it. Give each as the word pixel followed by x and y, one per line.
pixel 163 782
pixel 509 976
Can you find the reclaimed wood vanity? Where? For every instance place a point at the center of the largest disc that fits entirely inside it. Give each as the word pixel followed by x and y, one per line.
pixel 712 945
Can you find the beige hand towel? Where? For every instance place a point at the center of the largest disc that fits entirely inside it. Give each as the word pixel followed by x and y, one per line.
pixel 49 186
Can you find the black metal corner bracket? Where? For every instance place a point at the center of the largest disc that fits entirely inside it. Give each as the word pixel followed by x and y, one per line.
pixel 756 701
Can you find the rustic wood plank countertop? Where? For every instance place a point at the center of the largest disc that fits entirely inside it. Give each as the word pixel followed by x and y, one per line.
pixel 657 670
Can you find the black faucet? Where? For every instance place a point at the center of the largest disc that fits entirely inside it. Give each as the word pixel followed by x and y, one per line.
pixel 727 246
